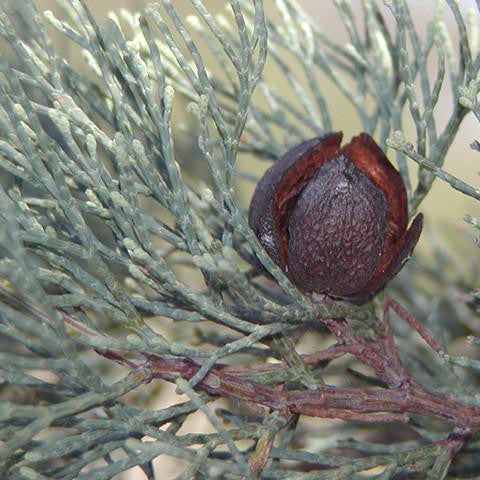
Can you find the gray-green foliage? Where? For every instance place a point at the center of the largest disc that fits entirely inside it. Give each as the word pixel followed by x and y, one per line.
pixel 100 230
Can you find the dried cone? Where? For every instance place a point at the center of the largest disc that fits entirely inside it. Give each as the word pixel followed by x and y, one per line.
pixel 335 219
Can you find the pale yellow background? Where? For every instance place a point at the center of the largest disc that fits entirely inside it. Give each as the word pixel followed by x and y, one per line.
pixel 444 208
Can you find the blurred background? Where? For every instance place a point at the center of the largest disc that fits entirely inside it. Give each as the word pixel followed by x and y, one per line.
pixel 444 208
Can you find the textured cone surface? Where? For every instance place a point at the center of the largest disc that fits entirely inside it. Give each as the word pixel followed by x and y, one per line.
pixel 336 230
